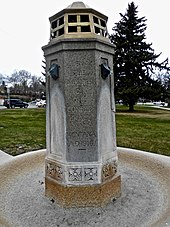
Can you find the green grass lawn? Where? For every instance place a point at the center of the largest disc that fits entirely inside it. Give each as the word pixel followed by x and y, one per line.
pixel 22 130
pixel 148 129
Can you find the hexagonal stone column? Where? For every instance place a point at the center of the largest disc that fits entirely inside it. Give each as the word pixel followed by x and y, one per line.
pixel 81 161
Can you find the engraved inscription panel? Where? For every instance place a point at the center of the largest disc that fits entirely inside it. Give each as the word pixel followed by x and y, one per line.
pixel 80 96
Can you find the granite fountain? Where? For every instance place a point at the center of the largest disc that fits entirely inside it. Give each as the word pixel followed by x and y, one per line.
pixel 82 178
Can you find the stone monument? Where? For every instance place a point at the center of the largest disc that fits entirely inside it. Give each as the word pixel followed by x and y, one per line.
pixel 81 160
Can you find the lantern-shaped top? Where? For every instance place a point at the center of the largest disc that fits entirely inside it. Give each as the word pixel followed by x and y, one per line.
pixel 78 21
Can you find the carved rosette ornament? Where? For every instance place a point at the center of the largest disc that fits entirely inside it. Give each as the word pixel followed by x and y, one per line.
pixel 50 170
pixel 54 171
pixel 84 174
pixel 109 170
pixel 90 174
pixel 81 174
pixel 75 174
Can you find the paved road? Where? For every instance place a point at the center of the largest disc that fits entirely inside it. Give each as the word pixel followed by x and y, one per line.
pixel 2 107
pixel 34 106
pixel 30 106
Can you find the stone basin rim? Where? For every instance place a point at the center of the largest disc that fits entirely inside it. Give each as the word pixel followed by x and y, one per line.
pixel 158 166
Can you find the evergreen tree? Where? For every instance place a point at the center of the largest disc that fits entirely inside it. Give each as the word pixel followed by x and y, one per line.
pixel 168 92
pixel 134 59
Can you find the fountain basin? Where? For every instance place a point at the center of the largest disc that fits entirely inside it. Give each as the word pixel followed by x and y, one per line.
pixel 145 199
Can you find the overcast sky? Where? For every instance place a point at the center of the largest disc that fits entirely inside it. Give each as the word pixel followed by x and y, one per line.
pixel 25 28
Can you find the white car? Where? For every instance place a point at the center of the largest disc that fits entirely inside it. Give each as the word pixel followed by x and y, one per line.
pixel 41 103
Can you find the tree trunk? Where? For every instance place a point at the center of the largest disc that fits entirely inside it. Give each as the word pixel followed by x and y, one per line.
pixel 131 107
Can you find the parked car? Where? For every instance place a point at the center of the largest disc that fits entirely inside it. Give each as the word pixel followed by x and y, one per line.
pixel 12 103
pixel 159 103
pixel 41 103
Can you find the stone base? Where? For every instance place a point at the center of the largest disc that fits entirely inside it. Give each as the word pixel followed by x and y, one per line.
pixel 96 195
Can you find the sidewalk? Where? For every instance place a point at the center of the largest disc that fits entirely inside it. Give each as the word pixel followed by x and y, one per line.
pixel 160 107
pixel 4 157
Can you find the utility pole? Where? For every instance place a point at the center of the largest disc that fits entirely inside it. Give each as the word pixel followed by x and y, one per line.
pixel 8 94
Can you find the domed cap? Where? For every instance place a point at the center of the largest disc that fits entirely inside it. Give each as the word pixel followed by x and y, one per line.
pixel 78 5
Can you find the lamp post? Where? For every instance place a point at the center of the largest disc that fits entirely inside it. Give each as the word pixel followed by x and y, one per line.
pixel 8 96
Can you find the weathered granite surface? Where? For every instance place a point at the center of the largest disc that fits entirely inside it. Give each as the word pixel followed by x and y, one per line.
pixel 81 135
pixel 4 157
pixel 80 119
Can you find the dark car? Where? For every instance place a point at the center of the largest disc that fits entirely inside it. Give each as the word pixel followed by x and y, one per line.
pixel 12 103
